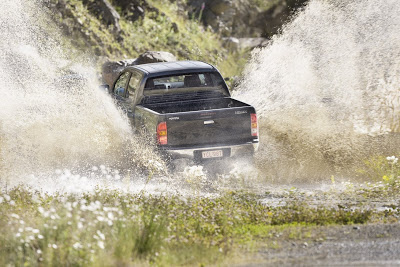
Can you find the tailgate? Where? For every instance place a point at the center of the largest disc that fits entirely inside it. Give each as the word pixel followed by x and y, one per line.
pixel 210 127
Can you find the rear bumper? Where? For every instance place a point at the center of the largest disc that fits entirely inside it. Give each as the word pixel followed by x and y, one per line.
pixel 235 150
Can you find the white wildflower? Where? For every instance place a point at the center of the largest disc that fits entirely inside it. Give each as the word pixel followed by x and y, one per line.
pixel 7 197
pixel 35 231
pixel 40 236
pixel 38 251
pixel 18 235
pixel 1 199
pixel 101 235
pixel 13 215
pixel 77 245
pixel 41 210
pixel 392 159
pixel 54 246
pixel 12 203
pixel 100 244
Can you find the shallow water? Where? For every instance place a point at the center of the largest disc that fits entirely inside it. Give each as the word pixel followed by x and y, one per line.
pixel 326 90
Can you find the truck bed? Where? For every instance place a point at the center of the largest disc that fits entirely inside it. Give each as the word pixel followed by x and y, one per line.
pixel 195 105
pixel 201 123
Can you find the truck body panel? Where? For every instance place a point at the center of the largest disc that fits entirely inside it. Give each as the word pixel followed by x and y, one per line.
pixel 187 108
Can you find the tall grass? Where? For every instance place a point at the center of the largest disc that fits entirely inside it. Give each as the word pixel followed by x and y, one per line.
pixel 110 228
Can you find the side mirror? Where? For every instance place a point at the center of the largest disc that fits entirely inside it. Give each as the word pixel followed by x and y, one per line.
pixel 105 87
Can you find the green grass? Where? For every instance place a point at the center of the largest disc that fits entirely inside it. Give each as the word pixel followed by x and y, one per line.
pixel 265 4
pixel 155 32
pixel 110 228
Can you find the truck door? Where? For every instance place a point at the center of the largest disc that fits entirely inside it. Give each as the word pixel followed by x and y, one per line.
pixel 133 88
pixel 121 94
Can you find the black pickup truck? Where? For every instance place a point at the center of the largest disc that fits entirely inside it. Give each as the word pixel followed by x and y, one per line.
pixel 187 107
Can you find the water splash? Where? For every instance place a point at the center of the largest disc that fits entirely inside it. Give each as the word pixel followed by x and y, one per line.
pixel 325 86
pixel 52 114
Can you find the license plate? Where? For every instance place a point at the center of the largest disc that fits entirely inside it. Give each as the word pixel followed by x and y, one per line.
pixel 212 154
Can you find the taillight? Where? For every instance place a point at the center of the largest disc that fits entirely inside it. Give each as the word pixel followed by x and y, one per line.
pixel 254 124
pixel 162 134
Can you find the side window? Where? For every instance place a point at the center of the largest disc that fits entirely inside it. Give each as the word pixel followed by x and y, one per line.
pixel 120 85
pixel 134 84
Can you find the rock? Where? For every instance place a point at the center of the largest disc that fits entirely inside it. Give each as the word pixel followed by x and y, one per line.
pixel 104 10
pixel 111 69
pixel 227 17
pixel 155 56
pixel 135 12
pixel 175 27
pixel 250 43
pixel 220 6
pixel 241 18
pixel 231 43
pixel 132 10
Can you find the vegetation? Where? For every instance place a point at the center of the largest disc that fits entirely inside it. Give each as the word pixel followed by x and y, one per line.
pixel 108 227
pixel 163 28
pixel 265 5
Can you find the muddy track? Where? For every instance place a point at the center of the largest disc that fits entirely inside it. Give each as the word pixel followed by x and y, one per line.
pixel 358 245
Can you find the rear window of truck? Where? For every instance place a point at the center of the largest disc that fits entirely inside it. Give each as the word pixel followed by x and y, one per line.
pixel 186 83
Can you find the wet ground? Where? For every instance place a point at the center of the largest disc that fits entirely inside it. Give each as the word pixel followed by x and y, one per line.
pixel 357 245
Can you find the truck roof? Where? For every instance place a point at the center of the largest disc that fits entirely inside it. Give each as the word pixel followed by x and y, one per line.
pixel 166 68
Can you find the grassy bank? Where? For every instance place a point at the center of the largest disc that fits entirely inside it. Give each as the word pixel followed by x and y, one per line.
pixel 108 228
pixel 164 27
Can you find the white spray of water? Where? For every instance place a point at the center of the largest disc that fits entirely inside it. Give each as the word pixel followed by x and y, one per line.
pixel 52 113
pixel 339 59
pixel 330 77
pixel 332 74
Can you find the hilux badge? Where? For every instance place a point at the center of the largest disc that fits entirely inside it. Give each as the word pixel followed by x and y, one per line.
pixel 241 112
pixel 173 118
